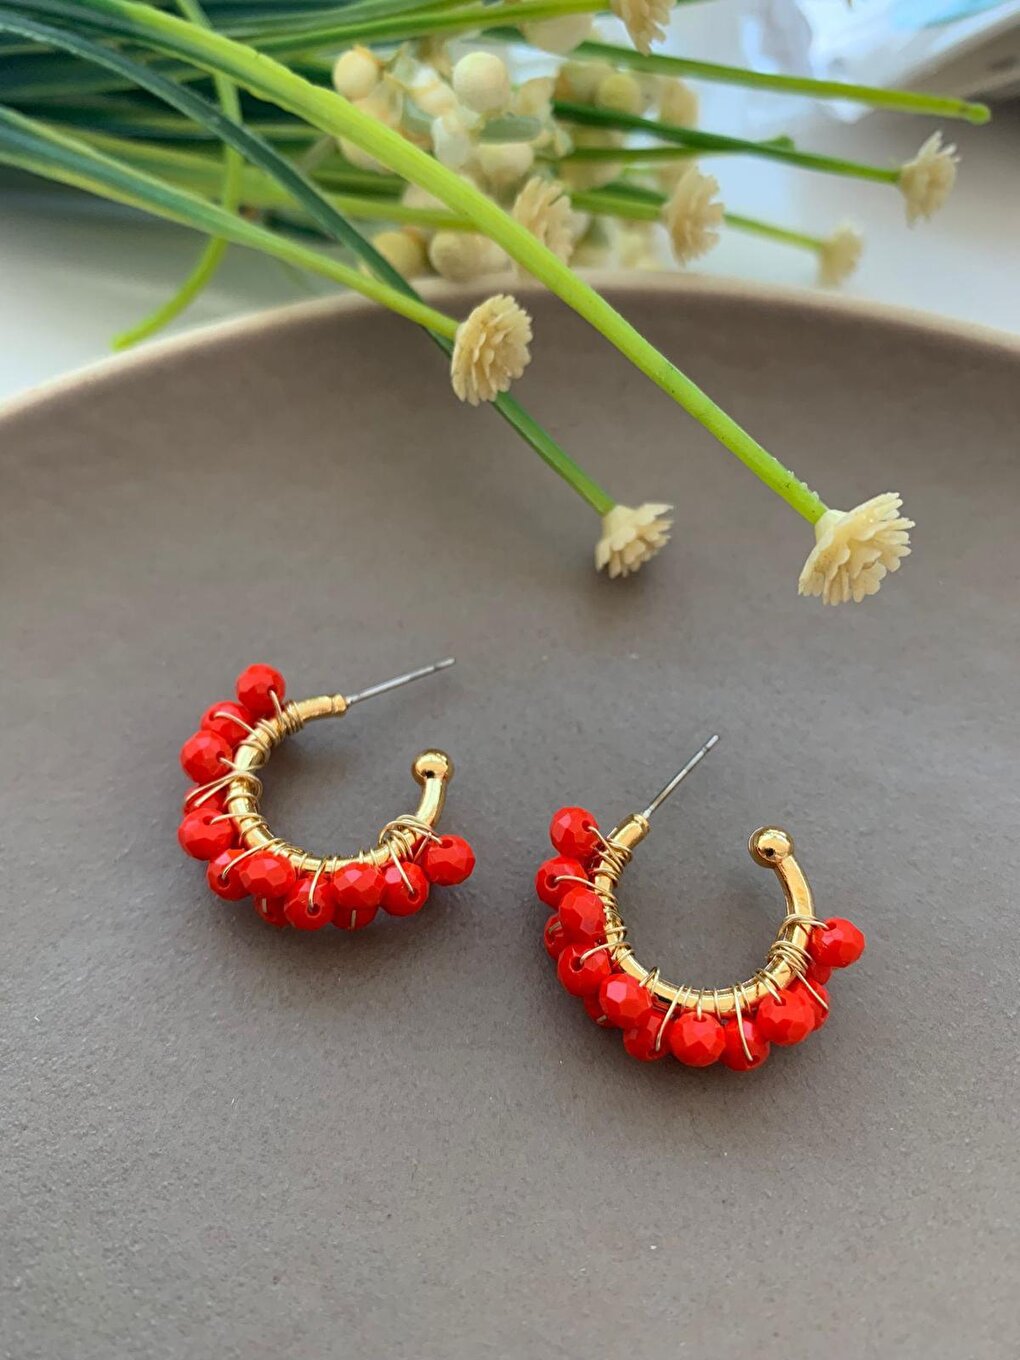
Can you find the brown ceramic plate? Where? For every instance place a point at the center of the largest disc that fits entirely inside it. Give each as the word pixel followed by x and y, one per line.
pixel 226 1140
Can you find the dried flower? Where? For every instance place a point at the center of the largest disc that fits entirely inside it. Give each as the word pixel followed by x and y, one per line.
pixel 491 349
pixel 558 36
pixel 644 20
pixel 693 214
pixel 839 256
pixel 620 93
pixel 631 536
pixel 482 83
pixel 678 104
pixel 461 256
pixel 356 73
pixel 854 550
pixel 504 164
pixel 926 181
pixel 404 250
pixel 544 208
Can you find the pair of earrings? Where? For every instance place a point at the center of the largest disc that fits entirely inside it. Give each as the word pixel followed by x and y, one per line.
pixel 782 1003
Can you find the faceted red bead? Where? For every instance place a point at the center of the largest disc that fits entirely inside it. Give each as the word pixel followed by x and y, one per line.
pixel 821 1012
pixel 648 1040
pixel 560 867
pixel 554 937
pixel 355 892
pixel 267 875
pixel 579 975
pixel 272 911
pixel 203 837
pixel 838 944
pixel 733 1055
pixel 396 899
pixel 302 911
pixel 355 888
pixel 223 880
pixel 447 861
pixel 228 720
pixel 583 918
pixel 255 688
pixel 593 1006
pixel 697 1041
pixel 818 972
pixel 572 832
pixel 786 1019
pixel 624 1000
pixel 202 757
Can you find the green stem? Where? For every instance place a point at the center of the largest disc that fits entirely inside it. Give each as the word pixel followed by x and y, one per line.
pixel 712 141
pixel 904 101
pixel 756 227
pixel 330 113
pixel 216 247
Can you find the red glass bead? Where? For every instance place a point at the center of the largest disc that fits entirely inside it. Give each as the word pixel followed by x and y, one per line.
pixel 579 975
pixel 733 1055
pixel 255 688
pixel 267 875
pixel 624 1000
pixel 593 1006
pixel 355 892
pixel 272 911
pixel 228 720
pixel 838 944
pixel 223 880
pixel 583 918
pixel 786 1019
pixel 554 936
pixel 396 899
pixel 203 837
pixel 447 861
pixel 697 1041
pixel 195 801
pixel 648 1041
pixel 202 757
pixel 302 911
pixel 572 832
pixel 818 972
pixel 821 1012
pixel 559 867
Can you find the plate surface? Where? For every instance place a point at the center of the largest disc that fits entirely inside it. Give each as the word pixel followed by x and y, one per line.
pixel 226 1140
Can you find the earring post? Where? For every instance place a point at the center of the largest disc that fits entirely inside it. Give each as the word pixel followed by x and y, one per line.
pixel 680 776
pixel 386 685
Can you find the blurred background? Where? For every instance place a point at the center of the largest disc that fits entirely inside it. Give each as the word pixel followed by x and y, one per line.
pixel 74 272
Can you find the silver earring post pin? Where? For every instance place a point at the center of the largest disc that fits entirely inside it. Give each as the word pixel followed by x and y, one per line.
pixel 680 776
pixel 386 685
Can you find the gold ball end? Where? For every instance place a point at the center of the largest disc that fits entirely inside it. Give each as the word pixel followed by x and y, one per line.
pixel 432 765
pixel 770 845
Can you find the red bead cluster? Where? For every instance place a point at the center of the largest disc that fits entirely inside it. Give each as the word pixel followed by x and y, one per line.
pixel 615 999
pixel 352 896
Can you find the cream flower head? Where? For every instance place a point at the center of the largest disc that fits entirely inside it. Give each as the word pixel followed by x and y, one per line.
pixel 491 349
pixel 558 36
pixel 693 214
pixel 461 256
pixel 854 550
pixel 543 208
pixel 678 103
pixel 839 256
pixel 644 20
pixel 631 536
pixel 926 181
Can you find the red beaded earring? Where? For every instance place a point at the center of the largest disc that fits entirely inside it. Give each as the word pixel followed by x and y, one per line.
pixel 223 825
pixel 782 1003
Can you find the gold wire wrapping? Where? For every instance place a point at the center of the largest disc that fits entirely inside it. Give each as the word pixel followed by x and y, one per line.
pixel 787 959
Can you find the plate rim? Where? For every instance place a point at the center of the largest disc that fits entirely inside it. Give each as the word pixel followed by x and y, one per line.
pixel 648 283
